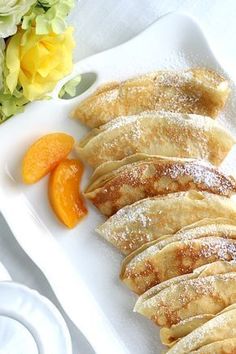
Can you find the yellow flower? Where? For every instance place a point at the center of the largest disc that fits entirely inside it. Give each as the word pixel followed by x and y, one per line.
pixel 38 62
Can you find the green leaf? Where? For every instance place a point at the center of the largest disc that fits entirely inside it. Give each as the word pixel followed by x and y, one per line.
pixel 70 87
pixel 2 58
pixel 48 15
pixel 11 104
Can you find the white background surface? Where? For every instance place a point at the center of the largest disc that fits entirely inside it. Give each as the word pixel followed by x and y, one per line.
pixel 102 24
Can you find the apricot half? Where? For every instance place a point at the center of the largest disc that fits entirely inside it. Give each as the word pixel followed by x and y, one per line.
pixel 64 192
pixel 43 156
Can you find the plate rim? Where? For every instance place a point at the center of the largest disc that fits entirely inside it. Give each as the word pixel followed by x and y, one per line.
pixel 15 288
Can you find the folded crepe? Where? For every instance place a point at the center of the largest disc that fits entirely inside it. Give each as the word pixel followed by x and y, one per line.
pixel 185 251
pixel 151 218
pixel 186 296
pixel 169 336
pixel 197 90
pixel 116 184
pixel 218 267
pixel 216 336
pixel 156 133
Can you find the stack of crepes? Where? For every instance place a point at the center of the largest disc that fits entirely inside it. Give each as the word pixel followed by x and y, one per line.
pixel 156 148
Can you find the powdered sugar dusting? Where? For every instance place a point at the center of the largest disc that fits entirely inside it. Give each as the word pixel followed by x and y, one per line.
pixel 187 290
pixel 157 133
pixel 136 214
pixel 223 249
pixel 139 218
pixel 174 78
pixel 178 60
pixel 143 221
pixel 120 122
pixel 109 96
pixel 208 230
pixel 202 174
pixel 220 327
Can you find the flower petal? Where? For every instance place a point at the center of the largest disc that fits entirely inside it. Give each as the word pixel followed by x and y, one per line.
pixel 13 61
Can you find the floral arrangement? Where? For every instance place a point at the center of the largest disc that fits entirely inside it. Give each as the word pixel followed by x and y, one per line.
pixel 36 48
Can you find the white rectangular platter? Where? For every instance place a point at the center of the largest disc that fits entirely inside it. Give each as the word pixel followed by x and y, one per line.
pixel 81 267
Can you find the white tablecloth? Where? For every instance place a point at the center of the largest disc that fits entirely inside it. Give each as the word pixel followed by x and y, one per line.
pixel 102 24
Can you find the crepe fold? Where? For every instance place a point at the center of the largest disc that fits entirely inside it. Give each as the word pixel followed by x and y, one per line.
pixel 218 335
pixel 180 254
pixel 156 133
pixel 196 90
pixel 208 290
pixel 150 218
pixel 170 336
pixel 116 184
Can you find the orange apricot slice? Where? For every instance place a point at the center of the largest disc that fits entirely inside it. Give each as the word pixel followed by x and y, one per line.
pixel 64 192
pixel 44 155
